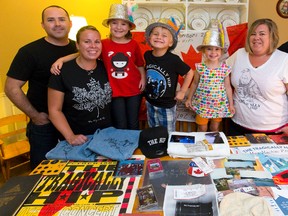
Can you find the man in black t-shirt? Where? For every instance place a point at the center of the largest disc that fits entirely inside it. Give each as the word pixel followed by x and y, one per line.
pixel 32 64
pixel 284 47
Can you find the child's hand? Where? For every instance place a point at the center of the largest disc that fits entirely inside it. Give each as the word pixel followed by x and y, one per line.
pixel 232 109
pixel 56 67
pixel 142 84
pixel 179 95
pixel 188 103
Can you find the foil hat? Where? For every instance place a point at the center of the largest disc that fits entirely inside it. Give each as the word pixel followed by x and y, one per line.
pixel 215 36
pixel 169 24
pixel 119 11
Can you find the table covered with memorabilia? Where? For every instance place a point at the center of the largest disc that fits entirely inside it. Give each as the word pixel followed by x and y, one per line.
pixel 222 175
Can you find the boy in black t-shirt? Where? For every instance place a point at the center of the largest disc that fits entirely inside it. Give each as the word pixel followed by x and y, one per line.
pixel 162 71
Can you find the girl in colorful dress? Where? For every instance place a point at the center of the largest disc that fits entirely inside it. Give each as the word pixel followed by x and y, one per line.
pixel 210 94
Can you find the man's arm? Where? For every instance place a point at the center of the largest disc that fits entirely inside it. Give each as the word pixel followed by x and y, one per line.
pixel 13 90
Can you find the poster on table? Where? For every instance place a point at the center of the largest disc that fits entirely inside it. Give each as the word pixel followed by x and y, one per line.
pixel 83 188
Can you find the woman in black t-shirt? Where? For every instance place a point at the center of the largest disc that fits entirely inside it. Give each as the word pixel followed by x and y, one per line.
pixel 79 98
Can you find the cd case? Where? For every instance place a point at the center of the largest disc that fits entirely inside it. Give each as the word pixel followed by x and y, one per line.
pixel 147 198
pixel 155 168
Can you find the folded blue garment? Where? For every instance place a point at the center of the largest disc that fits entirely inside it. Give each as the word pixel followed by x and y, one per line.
pixel 64 151
pixel 116 144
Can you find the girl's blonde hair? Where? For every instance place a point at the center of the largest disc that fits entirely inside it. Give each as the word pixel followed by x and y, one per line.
pixel 273 34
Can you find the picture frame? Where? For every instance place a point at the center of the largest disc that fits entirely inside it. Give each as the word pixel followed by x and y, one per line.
pixel 282 8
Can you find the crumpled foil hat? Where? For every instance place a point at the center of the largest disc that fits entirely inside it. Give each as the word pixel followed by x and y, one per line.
pixel 119 11
pixel 215 36
pixel 169 24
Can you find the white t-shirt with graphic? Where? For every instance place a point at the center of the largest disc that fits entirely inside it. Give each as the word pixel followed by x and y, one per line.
pixel 260 98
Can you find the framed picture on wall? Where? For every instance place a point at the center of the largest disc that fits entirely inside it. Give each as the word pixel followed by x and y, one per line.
pixel 282 8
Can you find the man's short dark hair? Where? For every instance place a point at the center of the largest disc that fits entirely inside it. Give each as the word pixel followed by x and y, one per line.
pixel 55 6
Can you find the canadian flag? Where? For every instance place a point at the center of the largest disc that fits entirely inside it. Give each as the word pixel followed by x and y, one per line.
pixel 195 171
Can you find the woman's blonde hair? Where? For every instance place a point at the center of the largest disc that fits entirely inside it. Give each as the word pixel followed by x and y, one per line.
pixel 273 34
pixel 88 27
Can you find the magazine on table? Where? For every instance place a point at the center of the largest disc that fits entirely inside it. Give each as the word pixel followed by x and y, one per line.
pixel 243 185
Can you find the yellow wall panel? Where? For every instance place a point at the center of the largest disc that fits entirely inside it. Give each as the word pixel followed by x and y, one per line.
pixel 20 23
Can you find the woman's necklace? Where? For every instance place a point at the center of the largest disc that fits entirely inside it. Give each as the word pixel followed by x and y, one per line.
pixel 89 71
pixel 257 61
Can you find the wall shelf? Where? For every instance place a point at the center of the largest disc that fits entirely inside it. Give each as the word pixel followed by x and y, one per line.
pixel 195 15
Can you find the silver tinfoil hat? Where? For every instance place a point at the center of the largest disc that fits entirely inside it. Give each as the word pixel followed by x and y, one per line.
pixel 118 11
pixel 214 36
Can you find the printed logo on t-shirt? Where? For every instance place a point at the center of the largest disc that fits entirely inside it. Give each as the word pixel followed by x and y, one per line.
pixel 249 91
pixel 119 62
pixel 95 98
pixel 156 84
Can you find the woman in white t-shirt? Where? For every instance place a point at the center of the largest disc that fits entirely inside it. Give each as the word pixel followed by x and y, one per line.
pixel 260 80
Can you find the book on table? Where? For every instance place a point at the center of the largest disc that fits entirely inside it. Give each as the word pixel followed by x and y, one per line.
pixel 238 141
pixel 14 193
pixel 280 139
pixel 259 138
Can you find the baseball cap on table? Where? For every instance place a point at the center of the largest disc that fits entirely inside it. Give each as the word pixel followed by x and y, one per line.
pixel 153 142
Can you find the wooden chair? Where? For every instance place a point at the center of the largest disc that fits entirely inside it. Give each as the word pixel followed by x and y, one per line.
pixel 14 145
